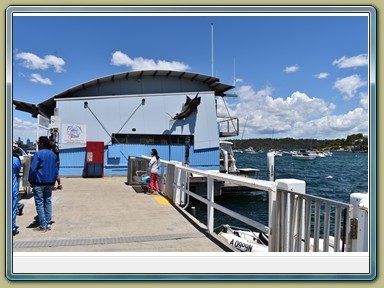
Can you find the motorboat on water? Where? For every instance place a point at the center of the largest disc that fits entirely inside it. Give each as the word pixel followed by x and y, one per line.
pixel 228 161
pixel 311 154
pixel 277 152
pixel 250 150
pixel 320 154
pixel 303 155
pixel 245 240
pixel 227 157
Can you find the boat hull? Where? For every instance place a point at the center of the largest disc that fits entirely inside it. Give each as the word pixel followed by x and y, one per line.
pixel 243 245
pixel 303 157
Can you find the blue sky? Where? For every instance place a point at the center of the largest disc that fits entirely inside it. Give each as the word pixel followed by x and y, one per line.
pixel 296 76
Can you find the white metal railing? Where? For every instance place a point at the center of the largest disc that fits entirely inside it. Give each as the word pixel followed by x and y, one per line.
pixel 310 223
pixel 298 222
pixel 228 126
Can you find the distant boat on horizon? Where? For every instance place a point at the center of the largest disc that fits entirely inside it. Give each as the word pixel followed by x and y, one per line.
pixel 250 150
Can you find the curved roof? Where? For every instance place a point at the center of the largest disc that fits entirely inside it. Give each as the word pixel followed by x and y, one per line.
pixel 202 83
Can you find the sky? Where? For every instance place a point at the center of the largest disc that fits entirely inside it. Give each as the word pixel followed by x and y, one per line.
pixel 295 76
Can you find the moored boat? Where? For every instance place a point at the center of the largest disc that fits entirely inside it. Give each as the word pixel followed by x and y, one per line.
pixel 245 240
pixel 303 157
pixel 250 150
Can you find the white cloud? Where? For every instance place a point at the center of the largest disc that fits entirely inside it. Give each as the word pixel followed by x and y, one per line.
pixel 364 102
pixel 322 75
pixel 355 61
pixel 298 116
pixel 36 78
pixel 24 129
pixel 265 115
pixel 237 80
pixel 333 126
pixel 34 62
pixel 291 69
pixel 121 59
pixel 349 85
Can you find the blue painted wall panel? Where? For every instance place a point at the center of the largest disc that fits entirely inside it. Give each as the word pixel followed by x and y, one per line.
pixel 116 158
pixel 205 157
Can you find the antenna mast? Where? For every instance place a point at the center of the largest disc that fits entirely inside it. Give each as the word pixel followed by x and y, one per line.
pixel 212 46
pixel 234 72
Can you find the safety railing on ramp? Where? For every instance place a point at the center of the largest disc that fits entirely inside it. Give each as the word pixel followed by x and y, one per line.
pixel 298 222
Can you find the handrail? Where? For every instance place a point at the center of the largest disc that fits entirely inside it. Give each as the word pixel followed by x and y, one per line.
pixel 293 227
pixel 224 126
pixel 249 182
pixel 297 236
pixel 231 213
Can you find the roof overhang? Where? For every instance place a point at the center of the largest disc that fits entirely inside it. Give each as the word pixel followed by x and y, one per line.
pixel 46 108
pixel 212 82
pixel 26 107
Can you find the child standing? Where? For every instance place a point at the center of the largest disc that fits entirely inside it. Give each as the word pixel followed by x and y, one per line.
pixel 154 166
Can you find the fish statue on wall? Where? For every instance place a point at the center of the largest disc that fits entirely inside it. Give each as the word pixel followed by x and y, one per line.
pixel 189 107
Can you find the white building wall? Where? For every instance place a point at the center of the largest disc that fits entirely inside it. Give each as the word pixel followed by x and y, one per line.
pixel 206 130
pixel 127 115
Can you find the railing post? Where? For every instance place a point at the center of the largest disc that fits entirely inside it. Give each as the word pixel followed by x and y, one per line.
pixel 181 175
pixel 162 180
pixel 271 166
pixel 360 202
pixel 183 183
pixel 291 229
pixel 273 221
pixel 211 198
pixel 170 179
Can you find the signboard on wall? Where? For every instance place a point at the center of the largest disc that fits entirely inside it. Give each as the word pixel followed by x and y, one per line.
pixel 74 133
pixel 55 122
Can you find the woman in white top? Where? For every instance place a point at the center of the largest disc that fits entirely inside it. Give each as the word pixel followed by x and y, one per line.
pixel 154 166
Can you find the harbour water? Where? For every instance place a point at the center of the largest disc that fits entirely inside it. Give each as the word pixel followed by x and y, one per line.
pixel 334 177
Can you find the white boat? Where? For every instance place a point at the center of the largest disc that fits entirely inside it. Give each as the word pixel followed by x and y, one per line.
pixel 277 152
pixel 227 158
pixel 303 155
pixel 245 240
pixel 320 154
pixel 250 150
pixel 228 161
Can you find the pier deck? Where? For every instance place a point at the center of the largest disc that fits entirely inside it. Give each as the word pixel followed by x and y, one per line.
pixel 106 215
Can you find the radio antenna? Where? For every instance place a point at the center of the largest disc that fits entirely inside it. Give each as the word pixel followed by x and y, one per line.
pixel 212 47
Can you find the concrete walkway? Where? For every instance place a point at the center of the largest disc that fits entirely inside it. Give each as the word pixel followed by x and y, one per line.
pixel 106 215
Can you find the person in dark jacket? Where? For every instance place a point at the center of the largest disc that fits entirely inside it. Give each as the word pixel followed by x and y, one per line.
pixel 55 149
pixel 42 176
pixel 16 167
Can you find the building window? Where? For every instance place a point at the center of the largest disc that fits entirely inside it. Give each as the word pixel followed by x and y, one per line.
pixel 151 139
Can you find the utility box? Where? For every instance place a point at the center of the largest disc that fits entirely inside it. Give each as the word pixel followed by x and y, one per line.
pixel 94 160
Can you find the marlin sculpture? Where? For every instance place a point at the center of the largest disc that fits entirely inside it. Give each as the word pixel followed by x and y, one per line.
pixel 189 107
